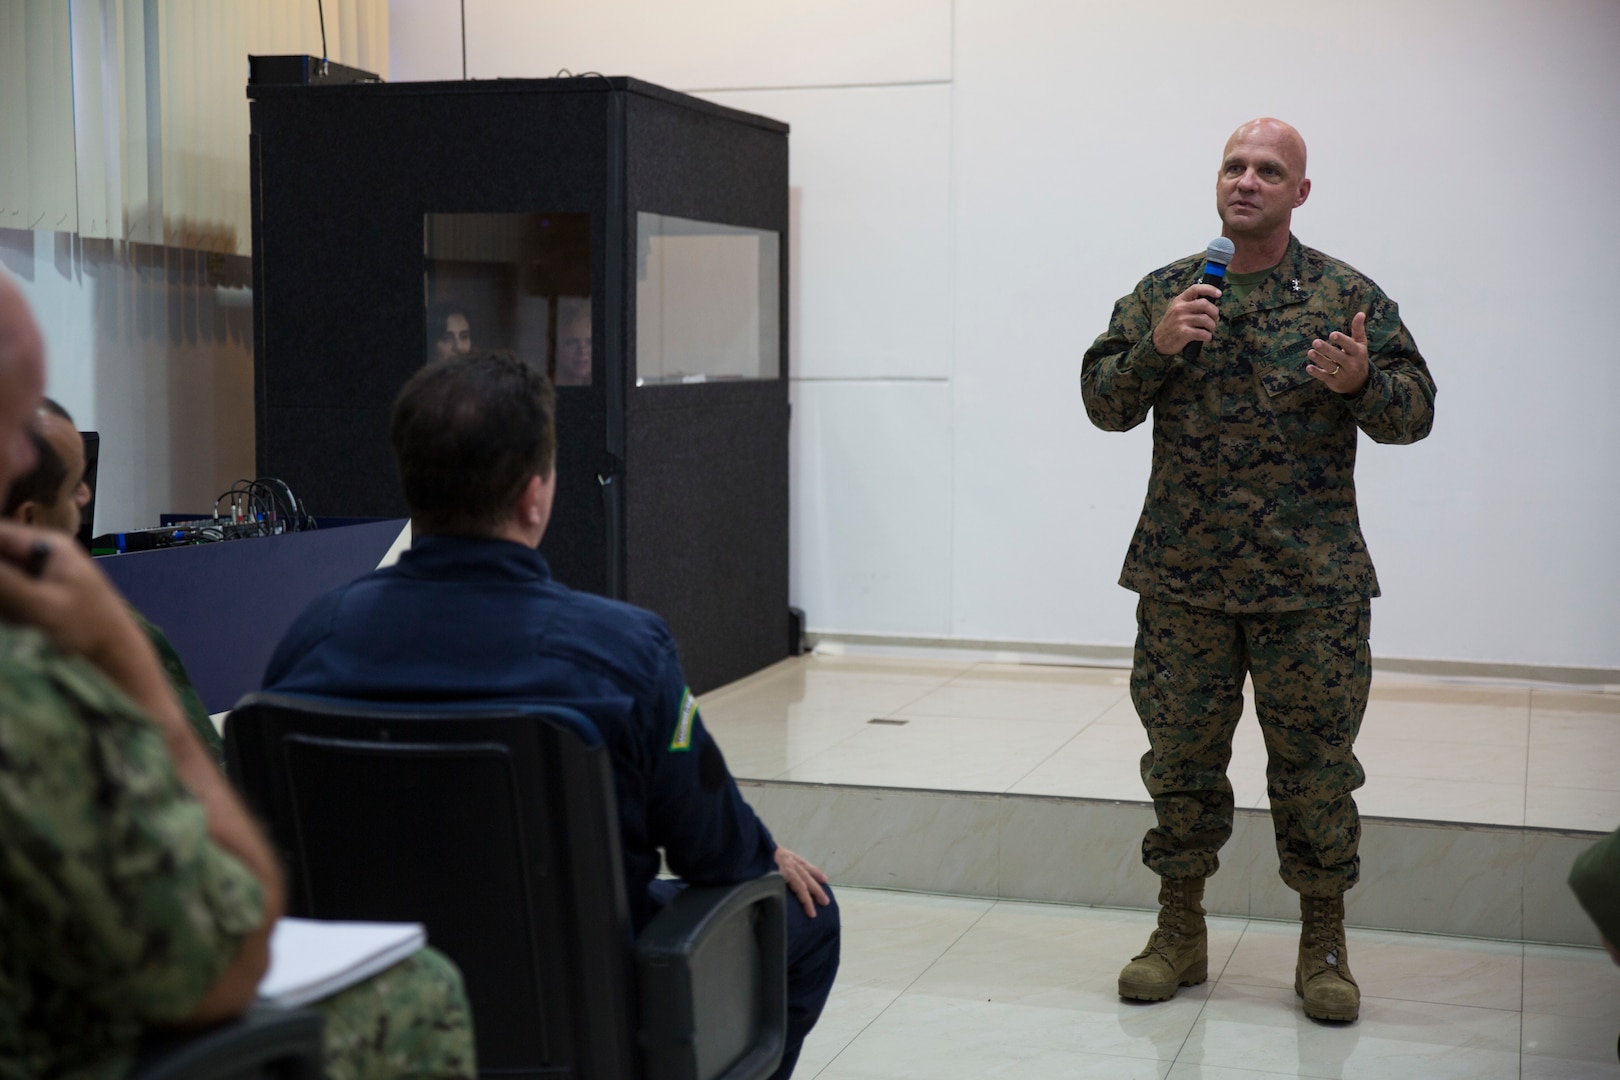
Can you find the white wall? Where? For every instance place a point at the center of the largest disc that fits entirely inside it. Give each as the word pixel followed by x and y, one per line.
pixel 1458 151
pixel 144 345
pixel 976 182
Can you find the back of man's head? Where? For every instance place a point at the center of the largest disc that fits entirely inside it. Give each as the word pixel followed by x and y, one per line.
pixel 468 434
pixel 54 407
pixel 42 484
pixel 53 493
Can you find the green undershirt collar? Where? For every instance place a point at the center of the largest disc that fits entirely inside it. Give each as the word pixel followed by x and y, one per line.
pixel 1240 285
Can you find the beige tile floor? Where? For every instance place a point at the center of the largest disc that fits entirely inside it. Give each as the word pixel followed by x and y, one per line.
pixel 943 988
pixel 1487 753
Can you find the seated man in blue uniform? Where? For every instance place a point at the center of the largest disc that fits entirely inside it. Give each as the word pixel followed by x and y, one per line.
pixel 472 613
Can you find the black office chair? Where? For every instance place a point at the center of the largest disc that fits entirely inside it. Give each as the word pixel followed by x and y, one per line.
pixel 265 1043
pixel 499 831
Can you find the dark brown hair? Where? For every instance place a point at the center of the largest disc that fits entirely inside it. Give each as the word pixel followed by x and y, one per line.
pixel 43 483
pixel 468 433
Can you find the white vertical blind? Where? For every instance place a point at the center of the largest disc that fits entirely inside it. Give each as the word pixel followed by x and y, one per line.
pixel 36 117
pixel 128 119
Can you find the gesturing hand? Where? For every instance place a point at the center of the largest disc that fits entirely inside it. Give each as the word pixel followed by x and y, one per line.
pixel 804 878
pixel 1190 317
pixel 1341 361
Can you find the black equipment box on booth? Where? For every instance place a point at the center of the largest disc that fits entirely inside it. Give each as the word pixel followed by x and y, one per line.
pixel 630 239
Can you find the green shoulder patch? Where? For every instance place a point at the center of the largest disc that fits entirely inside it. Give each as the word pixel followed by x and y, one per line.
pixel 682 739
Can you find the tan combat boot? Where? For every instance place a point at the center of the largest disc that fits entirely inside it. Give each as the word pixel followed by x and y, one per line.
pixel 1177 954
pixel 1322 976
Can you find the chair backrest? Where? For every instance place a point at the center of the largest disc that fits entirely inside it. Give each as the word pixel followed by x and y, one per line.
pixel 496 829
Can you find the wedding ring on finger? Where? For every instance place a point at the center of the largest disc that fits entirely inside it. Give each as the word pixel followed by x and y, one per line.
pixel 1336 368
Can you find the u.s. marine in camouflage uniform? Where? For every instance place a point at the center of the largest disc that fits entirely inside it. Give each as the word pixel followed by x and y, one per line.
pixel 135 894
pixel 1248 556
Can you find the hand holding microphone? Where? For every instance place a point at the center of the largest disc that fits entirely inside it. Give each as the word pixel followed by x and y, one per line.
pixel 1191 317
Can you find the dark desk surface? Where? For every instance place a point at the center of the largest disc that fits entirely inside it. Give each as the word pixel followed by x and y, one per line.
pixel 225 606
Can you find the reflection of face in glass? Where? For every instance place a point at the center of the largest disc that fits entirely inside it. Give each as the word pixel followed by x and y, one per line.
pixel 455 338
pixel 574 350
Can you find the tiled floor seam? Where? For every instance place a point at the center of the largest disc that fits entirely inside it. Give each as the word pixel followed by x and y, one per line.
pixel 1529 724
pixel 1521 1022
pixel 907 988
pixel 893 713
pixel 1008 790
pixel 1214 982
pixel 781 777
pixel 1524 977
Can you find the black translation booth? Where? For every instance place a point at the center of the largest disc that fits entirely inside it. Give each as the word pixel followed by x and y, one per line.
pixel 630 240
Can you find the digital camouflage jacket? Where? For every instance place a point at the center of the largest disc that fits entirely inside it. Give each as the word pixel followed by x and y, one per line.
pixel 1251 504
pixel 117 912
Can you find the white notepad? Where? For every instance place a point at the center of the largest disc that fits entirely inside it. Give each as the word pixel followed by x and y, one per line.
pixel 312 959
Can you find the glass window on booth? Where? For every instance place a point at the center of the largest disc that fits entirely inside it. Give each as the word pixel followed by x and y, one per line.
pixel 520 282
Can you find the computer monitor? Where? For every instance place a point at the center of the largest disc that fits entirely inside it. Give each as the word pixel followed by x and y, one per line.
pixel 87 517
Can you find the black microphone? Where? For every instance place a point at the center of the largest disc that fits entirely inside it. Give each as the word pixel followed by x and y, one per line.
pixel 1216 256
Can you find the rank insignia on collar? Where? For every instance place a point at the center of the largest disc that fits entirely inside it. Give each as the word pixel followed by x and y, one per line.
pixel 1294 284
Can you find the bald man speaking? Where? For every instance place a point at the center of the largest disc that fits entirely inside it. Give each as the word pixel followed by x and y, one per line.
pixel 1248 557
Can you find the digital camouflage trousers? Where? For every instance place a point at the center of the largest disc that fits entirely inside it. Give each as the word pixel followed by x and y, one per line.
pixel 411 1021
pixel 1311 671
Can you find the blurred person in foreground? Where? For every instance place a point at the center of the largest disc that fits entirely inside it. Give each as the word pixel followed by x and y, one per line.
pixel 471 613
pixel 136 895
pixel 1595 880
pixel 51 496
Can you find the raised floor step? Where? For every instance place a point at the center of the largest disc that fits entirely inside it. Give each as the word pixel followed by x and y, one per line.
pixel 1484 881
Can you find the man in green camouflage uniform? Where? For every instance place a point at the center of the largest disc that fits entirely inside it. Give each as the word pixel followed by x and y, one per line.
pixel 51 496
pixel 135 893
pixel 1248 556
